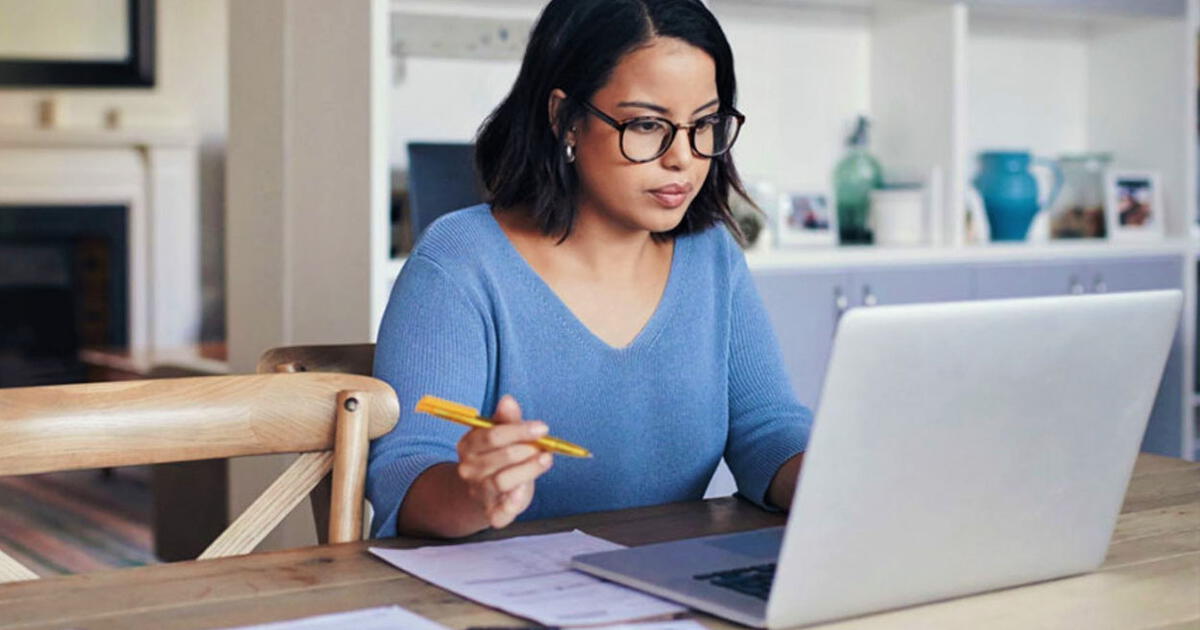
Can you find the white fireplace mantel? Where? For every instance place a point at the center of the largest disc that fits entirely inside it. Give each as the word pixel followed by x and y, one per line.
pixel 154 173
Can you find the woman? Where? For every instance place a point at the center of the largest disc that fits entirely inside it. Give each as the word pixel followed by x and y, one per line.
pixel 600 290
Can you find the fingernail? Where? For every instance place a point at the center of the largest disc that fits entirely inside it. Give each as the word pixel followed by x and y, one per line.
pixel 545 459
pixel 539 429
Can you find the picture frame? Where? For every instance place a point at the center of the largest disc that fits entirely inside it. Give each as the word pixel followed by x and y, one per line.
pixel 1134 209
pixel 135 70
pixel 806 218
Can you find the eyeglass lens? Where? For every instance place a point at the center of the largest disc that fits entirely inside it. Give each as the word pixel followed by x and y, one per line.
pixel 644 140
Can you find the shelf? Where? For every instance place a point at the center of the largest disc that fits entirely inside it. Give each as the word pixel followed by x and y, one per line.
pixel 87 137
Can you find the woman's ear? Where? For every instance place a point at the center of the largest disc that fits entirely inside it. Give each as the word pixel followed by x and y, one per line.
pixel 557 97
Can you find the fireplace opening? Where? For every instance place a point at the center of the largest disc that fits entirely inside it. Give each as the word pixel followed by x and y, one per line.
pixel 63 286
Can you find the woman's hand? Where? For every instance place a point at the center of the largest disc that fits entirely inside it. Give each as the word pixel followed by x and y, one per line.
pixel 499 465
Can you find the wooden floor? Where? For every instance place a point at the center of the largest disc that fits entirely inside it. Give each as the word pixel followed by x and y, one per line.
pixel 78 521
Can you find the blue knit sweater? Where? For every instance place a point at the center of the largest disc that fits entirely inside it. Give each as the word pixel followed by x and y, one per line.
pixel 469 320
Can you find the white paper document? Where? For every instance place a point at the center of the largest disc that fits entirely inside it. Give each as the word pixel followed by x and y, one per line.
pixel 528 576
pixel 682 624
pixel 383 618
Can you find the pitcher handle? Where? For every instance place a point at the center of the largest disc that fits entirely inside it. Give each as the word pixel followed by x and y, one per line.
pixel 1056 187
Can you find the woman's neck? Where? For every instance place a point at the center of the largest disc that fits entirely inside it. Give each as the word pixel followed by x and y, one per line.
pixel 597 246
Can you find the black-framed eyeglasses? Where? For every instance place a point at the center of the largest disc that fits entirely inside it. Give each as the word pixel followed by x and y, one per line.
pixel 646 138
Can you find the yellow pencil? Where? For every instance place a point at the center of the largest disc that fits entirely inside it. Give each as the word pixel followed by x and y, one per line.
pixel 469 416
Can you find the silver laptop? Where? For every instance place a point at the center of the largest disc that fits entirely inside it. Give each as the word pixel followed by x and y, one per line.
pixel 959 448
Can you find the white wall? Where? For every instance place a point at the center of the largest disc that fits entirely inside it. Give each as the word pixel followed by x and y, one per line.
pixel 447 99
pixel 1028 86
pixel 444 100
pixel 191 87
pixel 803 77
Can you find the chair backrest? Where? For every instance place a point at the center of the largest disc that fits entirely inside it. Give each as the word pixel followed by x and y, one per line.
pixel 354 358
pixel 328 418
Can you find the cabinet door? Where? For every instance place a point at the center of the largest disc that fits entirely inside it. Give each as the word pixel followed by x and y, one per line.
pixel 1141 274
pixel 804 307
pixel 1164 435
pixel 1029 279
pixel 911 285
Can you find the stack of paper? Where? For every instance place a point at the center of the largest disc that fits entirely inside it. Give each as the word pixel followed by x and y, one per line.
pixel 529 577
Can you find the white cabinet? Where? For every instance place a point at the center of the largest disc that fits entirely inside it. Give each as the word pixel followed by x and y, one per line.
pixel 804 305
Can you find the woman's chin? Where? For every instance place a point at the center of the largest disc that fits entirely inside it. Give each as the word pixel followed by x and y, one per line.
pixel 662 220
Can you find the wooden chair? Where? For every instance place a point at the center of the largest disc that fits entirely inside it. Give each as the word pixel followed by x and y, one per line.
pixel 355 358
pixel 328 418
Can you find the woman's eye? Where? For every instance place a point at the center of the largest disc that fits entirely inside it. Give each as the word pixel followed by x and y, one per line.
pixel 645 126
pixel 704 124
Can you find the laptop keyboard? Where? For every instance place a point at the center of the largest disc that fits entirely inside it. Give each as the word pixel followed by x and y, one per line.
pixel 753 581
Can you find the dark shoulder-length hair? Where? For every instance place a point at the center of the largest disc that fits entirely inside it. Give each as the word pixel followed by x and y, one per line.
pixel 575 46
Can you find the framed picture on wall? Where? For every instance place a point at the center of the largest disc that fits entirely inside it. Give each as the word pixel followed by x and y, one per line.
pixel 1134 205
pixel 112 44
pixel 806 218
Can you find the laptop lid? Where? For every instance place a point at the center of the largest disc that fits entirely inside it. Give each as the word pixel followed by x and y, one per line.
pixel 969 446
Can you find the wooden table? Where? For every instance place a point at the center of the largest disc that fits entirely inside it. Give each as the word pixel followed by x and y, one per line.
pixel 1151 578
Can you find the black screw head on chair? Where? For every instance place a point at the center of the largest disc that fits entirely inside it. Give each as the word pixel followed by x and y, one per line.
pixel 351 404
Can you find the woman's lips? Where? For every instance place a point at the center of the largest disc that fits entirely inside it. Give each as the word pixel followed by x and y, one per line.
pixel 671 196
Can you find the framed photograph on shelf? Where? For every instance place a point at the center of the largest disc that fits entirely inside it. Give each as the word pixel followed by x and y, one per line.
pixel 1134 205
pixel 806 219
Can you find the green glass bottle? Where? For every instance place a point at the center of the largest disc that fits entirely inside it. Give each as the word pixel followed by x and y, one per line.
pixel 855 177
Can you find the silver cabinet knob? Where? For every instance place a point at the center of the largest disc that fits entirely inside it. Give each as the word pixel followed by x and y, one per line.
pixel 841 303
pixel 869 298
pixel 1076 287
pixel 1099 285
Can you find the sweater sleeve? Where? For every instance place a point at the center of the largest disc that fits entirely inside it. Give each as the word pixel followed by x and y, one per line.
pixel 767 425
pixel 432 340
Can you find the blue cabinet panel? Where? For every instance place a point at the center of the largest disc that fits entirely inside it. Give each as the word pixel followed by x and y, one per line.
pixel 803 306
pixel 1143 274
pixel 912 285
pixel 1164 435
pixel 1029 279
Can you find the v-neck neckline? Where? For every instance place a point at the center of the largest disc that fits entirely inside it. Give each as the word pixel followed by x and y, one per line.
pixel 650 330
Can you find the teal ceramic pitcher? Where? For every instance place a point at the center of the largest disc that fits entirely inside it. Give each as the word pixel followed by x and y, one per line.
pixel 1010 192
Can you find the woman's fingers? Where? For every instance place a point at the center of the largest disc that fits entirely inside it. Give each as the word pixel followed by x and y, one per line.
pixel 479 441
pixel 510 506
pixel 525 472
pixel 509 429
pixel 509 492
pixel 500 464
pixel 507 410
pixel 480 465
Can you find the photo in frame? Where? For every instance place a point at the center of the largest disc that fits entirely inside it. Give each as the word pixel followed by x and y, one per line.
pixel 1134 205
pixel 806 219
